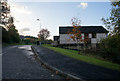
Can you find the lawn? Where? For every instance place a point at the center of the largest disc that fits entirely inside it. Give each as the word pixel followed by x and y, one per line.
pixel 74 54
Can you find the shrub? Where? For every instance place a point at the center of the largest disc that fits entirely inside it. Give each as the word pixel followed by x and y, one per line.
pixel 111 47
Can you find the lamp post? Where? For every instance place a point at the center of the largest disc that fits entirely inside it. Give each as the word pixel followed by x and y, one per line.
pixel 40 30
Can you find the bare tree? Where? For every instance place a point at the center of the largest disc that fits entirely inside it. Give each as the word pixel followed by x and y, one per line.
pixel 43 34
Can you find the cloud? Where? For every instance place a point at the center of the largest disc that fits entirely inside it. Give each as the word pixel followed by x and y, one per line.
pixel 19 8
pixel 83 5
pixel 25 30
pixel 22 16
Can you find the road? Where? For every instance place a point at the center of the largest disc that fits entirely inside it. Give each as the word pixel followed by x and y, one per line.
pixel 83 70
pixel 18 62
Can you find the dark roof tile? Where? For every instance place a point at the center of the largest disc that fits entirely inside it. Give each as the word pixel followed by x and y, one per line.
pixel 83 29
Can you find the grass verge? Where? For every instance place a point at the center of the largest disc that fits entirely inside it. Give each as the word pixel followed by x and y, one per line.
pixel 74 54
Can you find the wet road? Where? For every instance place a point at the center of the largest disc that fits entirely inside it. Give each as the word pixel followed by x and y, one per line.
pixel 18 62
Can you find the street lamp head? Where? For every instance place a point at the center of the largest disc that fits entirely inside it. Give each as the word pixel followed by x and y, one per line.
pixel 38 19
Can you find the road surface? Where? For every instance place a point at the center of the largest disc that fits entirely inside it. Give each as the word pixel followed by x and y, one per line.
pixel 83 70
pixel 18 62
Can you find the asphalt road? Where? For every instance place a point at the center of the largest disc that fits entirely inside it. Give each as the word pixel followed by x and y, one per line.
pixel 18 62
pixel 88 72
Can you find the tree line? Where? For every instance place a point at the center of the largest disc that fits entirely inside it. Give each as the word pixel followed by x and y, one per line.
pixel 9 31
pixel 10 36
pixel 111 45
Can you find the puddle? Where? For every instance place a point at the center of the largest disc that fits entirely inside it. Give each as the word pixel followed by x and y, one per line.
pixel 27 50
pixel 25 47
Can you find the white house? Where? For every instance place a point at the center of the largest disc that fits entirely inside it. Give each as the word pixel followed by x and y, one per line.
pixel 94 33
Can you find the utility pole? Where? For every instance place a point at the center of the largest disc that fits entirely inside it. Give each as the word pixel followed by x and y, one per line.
pixel 40 30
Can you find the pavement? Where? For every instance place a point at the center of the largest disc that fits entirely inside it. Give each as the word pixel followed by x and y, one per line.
pixel 19 63
pixel 80 69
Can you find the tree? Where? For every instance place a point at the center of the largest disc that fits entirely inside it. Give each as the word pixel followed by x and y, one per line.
pixel 43 34
pixel 113 22
pixel 10 23
pixel 76 34
pixel 14 36
pixel 4 12
pixel 10 36
pixel 111 46
pixel 5 35
pixel 9 33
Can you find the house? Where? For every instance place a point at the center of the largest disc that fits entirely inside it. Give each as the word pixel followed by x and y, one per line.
pixel 94 33
pixel 56 40
pixel 22 37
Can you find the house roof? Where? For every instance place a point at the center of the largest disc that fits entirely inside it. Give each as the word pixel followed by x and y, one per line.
pixel 83 29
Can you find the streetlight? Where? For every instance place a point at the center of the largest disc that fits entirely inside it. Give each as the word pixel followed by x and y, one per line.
pixel 40 30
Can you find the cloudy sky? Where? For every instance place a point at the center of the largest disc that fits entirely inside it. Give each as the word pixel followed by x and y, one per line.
pixel 54 14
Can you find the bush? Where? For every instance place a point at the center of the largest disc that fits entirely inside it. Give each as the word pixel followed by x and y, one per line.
pixel 111 47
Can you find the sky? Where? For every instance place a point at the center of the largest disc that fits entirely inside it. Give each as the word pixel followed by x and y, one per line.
pixel 55 14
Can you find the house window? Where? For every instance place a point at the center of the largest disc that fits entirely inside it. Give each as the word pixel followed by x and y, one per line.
pixel 86 35
pixel 93 35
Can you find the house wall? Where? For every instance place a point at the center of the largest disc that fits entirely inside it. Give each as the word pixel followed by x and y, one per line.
pixel 66 39
pixel 101 36
pixel 55 43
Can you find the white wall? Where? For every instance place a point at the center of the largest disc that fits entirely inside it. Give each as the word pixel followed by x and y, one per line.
pixel 90 35
pixel 99 36
pixel 93 40
pixel 66 39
